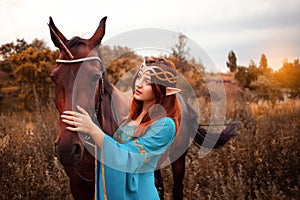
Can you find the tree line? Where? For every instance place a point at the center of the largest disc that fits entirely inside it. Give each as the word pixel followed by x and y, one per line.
pixel 266 83
pixel 27 67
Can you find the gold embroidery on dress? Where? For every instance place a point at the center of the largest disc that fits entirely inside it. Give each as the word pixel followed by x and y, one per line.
pixel 124 133
pixel 141 150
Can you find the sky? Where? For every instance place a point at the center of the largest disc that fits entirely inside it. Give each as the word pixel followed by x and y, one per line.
pixel 248 27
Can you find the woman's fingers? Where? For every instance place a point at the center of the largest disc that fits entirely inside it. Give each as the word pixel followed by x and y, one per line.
pixel 72 113
pixel 76 126
pixel 80 121
pixel 70 122
pixel 75 129
pixel 69 117
pixel 81 110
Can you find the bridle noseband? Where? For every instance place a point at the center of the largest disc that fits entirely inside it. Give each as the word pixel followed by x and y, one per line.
pixel 87 138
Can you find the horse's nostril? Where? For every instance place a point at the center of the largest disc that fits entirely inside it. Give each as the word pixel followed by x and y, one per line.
pixel 55 149
pixel 77 149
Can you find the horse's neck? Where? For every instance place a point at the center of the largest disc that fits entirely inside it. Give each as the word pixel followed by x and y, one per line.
pixel 115 108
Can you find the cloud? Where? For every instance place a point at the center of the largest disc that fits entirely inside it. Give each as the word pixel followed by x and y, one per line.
pixel 249 26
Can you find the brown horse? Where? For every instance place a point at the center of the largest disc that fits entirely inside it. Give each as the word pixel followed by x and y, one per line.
pixel 78 162
pixel 81 57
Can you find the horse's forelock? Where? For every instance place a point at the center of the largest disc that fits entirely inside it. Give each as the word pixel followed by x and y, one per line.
pixel 76 41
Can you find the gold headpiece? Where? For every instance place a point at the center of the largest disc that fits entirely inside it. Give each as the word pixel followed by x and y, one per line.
pixel 161 75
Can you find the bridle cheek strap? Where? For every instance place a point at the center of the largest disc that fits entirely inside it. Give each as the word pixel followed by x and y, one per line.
pixel 87 139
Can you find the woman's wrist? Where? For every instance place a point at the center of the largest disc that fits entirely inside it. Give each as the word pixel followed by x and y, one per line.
pixel 97 134
pixel 95 130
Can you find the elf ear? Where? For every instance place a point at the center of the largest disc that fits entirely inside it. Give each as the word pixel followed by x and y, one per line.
pixel 172 90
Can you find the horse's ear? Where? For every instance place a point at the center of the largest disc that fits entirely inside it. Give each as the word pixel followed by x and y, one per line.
pixel 99 33
pixel 56 33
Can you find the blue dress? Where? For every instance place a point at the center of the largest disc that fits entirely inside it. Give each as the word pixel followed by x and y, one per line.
pixel 126 164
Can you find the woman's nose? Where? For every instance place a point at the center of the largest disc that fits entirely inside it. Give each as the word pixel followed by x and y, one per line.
pixel 139 86
pixel 139 83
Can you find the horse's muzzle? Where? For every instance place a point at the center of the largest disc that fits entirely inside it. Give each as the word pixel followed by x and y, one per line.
pixel 70 155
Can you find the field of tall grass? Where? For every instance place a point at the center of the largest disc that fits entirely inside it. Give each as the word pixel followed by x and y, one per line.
pixel 28 168
pixel 262 162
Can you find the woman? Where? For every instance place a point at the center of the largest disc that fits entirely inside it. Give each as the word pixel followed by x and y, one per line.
pixel 126 162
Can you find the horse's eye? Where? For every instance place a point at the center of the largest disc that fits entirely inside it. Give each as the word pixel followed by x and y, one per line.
pixel 95 79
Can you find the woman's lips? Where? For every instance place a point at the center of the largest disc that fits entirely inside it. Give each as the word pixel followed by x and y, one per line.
pixel 138 92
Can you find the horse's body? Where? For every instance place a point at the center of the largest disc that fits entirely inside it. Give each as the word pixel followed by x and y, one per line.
pixel 94 93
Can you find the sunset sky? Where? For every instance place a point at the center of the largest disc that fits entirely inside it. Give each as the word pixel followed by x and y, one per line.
pixel 249 27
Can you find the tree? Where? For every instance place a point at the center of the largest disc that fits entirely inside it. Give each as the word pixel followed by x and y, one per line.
pixel 189 67
pixel 242 76
pixel 198 64
pixel 118 61
pixel 8 49
pixel 231 64
pixel 32 67
pixel 267 89
pixel 247 75
pixel 289 77
pixel 180 54
pixel 253 71
pixel 263 64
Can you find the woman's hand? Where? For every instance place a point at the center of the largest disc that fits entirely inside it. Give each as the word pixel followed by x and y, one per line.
pixel 80 121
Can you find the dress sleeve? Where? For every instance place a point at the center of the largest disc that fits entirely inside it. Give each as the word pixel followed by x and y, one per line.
pixel 140 154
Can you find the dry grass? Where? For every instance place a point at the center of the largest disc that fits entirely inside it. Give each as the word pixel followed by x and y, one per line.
pixel 261 163
pixel 28 168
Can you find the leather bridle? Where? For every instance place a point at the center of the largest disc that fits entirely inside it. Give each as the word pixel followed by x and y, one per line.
pixel 87 138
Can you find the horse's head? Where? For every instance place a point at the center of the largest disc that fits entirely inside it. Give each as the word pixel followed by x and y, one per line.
pixel 77 77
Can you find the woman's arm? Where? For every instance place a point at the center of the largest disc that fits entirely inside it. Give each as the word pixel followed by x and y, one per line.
pixel 82 122
pixel 139 154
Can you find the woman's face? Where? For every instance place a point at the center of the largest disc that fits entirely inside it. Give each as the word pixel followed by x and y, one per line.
pixel 143 90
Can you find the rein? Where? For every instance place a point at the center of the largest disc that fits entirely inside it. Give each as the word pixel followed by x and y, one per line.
pixel 82 177
pixel 87 139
